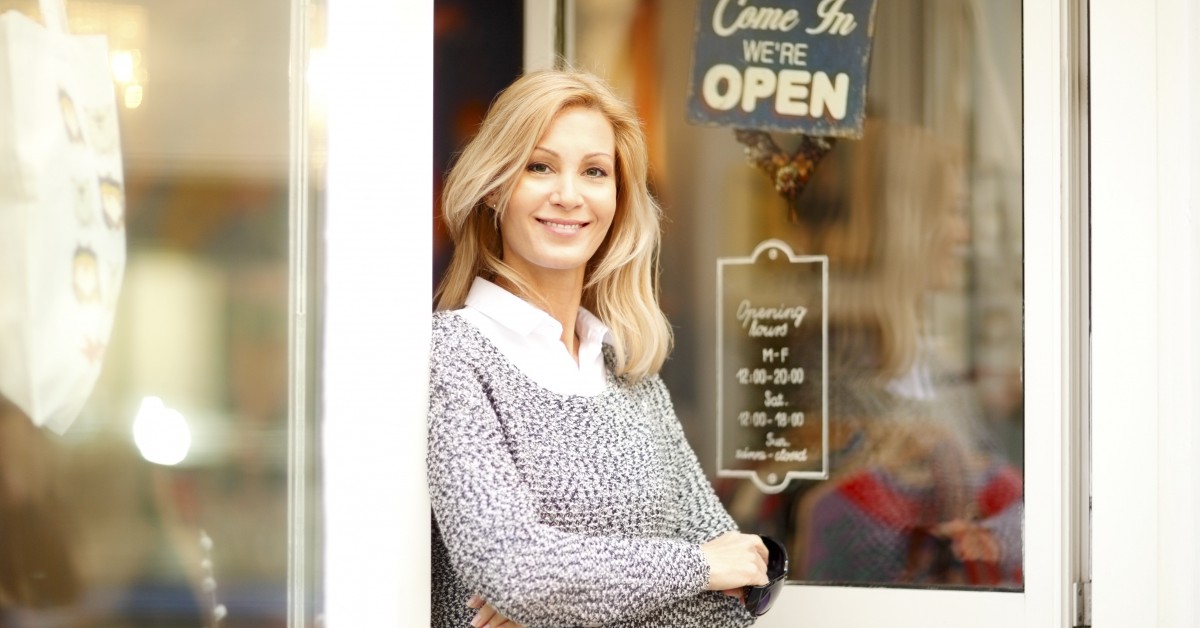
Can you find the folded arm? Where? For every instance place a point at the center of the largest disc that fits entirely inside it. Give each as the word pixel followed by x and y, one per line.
pixel 529 571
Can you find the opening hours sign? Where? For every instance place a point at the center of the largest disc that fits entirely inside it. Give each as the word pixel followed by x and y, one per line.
pixel 772 386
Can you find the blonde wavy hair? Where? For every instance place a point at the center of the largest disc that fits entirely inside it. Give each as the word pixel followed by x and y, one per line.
pixel 621 280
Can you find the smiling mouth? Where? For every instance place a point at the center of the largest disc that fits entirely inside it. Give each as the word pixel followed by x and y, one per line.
pixel 563 227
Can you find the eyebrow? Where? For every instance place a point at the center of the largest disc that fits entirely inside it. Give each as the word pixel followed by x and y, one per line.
pixel 587 156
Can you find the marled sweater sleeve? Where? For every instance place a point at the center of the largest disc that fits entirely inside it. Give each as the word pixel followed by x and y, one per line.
pixel 702 517
pixel 532 573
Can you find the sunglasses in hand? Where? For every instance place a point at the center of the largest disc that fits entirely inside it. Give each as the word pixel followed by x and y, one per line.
pixel 759 598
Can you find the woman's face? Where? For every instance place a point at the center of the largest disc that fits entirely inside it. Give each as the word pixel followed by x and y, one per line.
pixel 563 202
pixel 952 236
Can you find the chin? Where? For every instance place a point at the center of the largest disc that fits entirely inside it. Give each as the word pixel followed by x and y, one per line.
pixel 570 261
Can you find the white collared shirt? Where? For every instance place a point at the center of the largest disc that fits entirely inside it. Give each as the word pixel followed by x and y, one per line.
pixel 532 339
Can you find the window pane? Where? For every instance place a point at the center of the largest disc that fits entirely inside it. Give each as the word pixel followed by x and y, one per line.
pixel 166 502
pixel 920 221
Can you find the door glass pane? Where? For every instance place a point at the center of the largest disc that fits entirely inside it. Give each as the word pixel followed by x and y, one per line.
pixel 166 503
pixel 920 221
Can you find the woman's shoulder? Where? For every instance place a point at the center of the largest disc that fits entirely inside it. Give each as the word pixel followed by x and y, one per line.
pixel 449 326
pixel 650 391
pixel 443 317
pixel 454 338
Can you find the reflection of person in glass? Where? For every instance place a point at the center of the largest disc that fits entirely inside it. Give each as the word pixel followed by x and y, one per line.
pixel 563 490
pixel 38 568
pixel 919 494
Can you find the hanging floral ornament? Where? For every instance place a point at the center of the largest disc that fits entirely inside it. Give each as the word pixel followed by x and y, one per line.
pixel 789 172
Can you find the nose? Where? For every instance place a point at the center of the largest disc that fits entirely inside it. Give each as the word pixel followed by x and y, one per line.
pixel 566 193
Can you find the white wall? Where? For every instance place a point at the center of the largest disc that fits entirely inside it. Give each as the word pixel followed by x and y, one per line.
pixel 1144 161
pixel 379 271
pixel 1178 375
pixel 1193 54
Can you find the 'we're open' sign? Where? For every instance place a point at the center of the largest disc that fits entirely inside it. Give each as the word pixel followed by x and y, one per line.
pixel 794 66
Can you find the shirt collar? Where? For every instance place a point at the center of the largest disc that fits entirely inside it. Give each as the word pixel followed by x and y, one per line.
pixel 524 318
pixel 591 329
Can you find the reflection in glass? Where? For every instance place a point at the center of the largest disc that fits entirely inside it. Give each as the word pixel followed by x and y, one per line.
pixel 921 223
pixel 920 492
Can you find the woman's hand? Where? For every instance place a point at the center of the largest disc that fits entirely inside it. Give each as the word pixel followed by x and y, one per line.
pixel 970 541
pixel 488 616
pixel 735 560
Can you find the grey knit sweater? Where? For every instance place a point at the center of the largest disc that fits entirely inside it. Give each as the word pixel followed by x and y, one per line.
pixel 564 510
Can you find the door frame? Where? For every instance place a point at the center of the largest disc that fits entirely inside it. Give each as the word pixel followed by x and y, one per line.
pixel 1144 270
pixel 378 254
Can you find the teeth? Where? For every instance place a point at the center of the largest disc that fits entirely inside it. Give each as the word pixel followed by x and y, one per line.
pixel 562 226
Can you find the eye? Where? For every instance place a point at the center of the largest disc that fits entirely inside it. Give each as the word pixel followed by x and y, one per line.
pixel 538 167
pixel 595 172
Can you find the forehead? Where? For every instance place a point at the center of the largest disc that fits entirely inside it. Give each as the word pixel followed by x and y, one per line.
pixel 578 124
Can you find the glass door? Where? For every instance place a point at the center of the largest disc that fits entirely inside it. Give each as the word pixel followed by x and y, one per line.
pixel 926 468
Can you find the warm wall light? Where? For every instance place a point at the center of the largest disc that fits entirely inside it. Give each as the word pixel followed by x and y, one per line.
pixel 133 96
pixel 126 25
pixel 161 434
pixel 122 62
pixel 128 73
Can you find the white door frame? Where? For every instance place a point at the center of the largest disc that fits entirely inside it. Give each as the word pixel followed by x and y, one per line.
pixel 1144 293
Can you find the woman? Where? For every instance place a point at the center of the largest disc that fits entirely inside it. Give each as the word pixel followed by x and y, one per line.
pixel 563 490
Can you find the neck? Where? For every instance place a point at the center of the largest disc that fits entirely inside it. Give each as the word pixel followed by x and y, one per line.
pixel 560 294
pixel 566 311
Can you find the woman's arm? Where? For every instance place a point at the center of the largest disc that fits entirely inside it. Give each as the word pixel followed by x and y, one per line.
pixel 702 517
pixel 528 571
pixel 734 559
